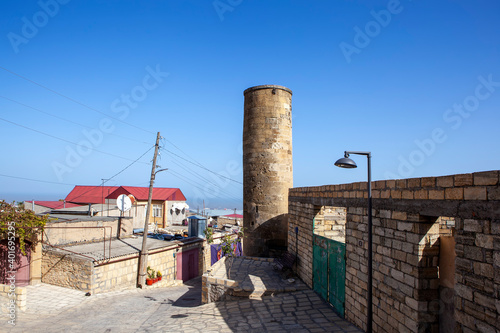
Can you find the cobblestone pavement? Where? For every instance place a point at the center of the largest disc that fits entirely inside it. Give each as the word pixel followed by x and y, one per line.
pixel 258 275
pixel 175 309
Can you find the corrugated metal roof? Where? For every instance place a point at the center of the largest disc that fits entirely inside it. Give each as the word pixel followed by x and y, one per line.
pixel 142 193
pixel 238 216
pixel 54 204
pixel 89 194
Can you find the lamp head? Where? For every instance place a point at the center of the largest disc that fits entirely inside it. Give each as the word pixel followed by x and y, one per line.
pixel 346 162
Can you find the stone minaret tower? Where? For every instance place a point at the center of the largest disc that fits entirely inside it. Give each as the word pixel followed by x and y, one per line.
pixel 267 169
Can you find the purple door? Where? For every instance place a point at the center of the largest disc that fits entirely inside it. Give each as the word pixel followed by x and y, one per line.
pixel 187 265
pixel 14 261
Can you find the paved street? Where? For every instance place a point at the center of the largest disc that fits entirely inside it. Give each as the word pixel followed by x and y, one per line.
pixel 175 309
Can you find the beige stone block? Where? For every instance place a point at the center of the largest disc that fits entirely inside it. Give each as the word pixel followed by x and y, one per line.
pixel 486 178
pixel 401 216
pixel 414 182
pixel 407 194
pixel 493 193
pixel 472 225
pixel 463 179
pixel 421 194
pixel 446 181
pixel 395 194
pixel 436 194
pixel 454 193
pixel 428 181
pixel 401 183
pixel 484 241
pixel 391 184
pixel 475 193
pixel 484 269
pixel 385 194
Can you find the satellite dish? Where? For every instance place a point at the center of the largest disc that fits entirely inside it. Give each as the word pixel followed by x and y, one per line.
pixel 123 203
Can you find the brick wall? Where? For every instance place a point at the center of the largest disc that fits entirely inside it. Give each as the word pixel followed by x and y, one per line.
pixel 409 217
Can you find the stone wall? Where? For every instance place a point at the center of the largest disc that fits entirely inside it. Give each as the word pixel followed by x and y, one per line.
pixel 12 299
pixel 67 270
pixel 82 273
pixel 409 218
pixel 300 238
pixel 330 222
pixel 61 233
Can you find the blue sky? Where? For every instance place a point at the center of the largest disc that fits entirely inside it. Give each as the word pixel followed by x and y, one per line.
pixel 417 83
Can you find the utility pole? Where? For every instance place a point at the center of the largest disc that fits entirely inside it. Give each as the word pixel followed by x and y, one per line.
pixel 143 259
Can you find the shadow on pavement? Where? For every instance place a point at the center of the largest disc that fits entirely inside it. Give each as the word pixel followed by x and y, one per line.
pixel 192 297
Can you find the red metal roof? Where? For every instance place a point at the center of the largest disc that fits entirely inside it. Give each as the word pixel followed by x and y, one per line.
pixel 89 194
pixel 142 193
pixel 238 216
pixel 54 204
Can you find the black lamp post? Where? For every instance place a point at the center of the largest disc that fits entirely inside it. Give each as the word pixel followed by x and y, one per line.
pixel 348 163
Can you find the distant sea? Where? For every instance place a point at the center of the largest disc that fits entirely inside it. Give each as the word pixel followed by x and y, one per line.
pixel 217 212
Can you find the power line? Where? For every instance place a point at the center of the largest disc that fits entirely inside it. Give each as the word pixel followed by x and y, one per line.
pixel 117 119
pixel 65 119
pixel 203 167
pixel 187 180
pixel 74 100
pixel 187 169
pixel 64 140
pixel 37 180
pixel 108 179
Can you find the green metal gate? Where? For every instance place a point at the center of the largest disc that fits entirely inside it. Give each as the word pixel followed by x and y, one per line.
pixel 329 271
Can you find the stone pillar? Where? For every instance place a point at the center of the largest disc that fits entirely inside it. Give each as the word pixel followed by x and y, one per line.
pixel 267 169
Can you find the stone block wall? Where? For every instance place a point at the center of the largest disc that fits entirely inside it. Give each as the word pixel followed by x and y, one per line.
pixel 409 217
pixel 12 299
pixel 67 270
pixel 81 273
pixel 300 238
pixel 330 223
pixel 60 233
pixel 477 276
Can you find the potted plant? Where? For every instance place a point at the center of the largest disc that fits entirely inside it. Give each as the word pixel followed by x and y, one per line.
pixel 151 276
pixel 158 275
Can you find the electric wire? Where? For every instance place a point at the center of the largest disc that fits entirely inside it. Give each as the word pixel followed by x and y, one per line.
pixel 37 180
pixel 196 163
pixel 190 171
pixel 108 179
pixel 182 177
pixel 64 140
pixel 67 120
pixel 202 167
pixel 74 100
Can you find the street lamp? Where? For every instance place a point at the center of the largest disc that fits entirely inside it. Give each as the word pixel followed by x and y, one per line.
pixel 348 163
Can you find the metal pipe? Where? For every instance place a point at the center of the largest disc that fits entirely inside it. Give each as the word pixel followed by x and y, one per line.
pixel 104 232
pixel 63 249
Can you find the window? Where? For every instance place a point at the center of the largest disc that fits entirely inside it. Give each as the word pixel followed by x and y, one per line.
pixel 157 211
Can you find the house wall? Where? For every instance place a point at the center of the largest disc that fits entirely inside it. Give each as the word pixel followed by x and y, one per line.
pixel 174 216
pixel 81 273
pixel 38 209
pixel 409 218
pixel 59 233
pixel 170 217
